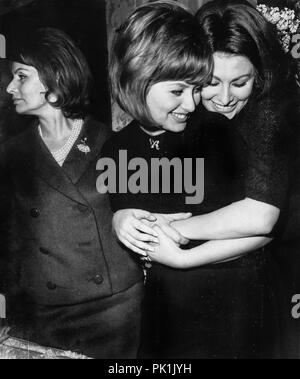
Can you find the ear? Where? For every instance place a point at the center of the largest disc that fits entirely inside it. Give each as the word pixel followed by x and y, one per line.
pixel 52 98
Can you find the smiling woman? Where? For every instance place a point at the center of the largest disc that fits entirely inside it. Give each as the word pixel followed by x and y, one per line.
pixel 157 69
pixel 231 85
pixel 170 103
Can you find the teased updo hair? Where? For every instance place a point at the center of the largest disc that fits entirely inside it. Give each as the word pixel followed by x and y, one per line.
pixel 160 41
pixel 61 66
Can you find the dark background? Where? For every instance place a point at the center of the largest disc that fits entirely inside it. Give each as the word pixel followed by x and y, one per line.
pixel 84 21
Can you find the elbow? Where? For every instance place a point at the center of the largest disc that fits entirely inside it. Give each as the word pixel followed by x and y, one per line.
pixel 267 221
pixel 262 217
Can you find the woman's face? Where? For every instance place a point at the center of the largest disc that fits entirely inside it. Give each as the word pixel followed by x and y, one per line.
pixel 171 102
pixel 27 90
pixel 231 85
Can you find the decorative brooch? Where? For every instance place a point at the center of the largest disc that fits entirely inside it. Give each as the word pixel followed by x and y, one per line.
pixel 154 144
pixel 83 146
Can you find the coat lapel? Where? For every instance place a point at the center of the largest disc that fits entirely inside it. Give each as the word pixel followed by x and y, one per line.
pixel 35 156
pixel 92 137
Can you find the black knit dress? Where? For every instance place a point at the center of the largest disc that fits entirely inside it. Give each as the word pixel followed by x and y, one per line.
pixel 214 311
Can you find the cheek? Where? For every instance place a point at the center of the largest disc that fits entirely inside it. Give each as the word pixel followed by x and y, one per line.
pixel 244 93
pixel 208 93
pixel 197 98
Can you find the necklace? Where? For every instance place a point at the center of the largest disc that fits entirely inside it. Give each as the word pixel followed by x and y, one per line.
pixel 61 154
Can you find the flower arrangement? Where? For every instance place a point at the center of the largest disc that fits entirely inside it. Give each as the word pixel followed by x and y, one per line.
pixel 285 21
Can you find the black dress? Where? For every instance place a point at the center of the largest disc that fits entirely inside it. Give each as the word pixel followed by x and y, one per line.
pixel 213 311
pixel 286 267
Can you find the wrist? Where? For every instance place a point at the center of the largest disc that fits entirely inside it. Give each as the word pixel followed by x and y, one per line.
pixel 180 261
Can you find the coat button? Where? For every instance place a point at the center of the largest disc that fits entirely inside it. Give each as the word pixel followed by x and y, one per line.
pixel 98 279
pixel 35 213
pixel 51 286
pixel 82 208
pixel 44 251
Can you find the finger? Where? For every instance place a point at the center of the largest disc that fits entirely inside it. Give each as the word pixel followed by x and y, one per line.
pixel 145 229
pixel 140 214
pixel 171 233
pixel 140 245
pixel 143 237
pixel 133 248
pixel 184 241
pixel 178 216
pixel 148 223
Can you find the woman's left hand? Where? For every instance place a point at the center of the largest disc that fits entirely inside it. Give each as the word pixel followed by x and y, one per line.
pixel 167 252
pixel 164 221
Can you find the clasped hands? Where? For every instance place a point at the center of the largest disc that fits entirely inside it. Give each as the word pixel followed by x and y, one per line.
pixel 151 235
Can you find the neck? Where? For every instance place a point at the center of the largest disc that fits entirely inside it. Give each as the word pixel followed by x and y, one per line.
pixel 55 125
pixel 154 133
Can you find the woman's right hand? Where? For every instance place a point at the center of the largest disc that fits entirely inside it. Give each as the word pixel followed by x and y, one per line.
pixel 133 229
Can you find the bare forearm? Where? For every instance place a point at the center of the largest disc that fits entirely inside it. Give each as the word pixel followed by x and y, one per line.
pixel 246 218
pixel 213 252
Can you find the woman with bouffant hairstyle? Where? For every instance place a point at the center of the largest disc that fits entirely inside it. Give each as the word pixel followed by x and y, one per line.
pixel 159 42
pixel 62 68
pixel 158 65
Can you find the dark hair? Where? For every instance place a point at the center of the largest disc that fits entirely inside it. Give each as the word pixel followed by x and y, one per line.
pixel 160 41
pixel 61 66
pixel 237 28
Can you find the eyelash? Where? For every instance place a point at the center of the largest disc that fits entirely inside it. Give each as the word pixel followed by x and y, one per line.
pixel 240 85
pixel 180 92
pixel 22 77
pixel 235 85
pixel 177 93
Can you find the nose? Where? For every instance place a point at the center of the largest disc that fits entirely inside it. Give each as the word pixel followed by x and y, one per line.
pixel 11 88
pixel 189 102
pixel 225 96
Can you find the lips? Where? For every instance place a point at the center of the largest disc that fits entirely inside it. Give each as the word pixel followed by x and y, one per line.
pixel 16 100
pixel 223 108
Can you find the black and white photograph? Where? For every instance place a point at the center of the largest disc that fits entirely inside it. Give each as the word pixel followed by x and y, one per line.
pixel 149 182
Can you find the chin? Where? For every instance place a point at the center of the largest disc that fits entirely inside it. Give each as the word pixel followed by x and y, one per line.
pixel 20 110
pixel 177 128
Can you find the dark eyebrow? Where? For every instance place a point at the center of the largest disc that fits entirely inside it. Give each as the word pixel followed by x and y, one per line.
pixel 20 69
pixel 248 76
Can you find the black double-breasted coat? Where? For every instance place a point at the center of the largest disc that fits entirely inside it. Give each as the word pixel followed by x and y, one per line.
pixel 60 248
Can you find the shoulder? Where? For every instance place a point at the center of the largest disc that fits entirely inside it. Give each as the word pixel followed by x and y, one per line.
pixel 265 119
pixel 16 143
pixel 98 129
pixel 122 139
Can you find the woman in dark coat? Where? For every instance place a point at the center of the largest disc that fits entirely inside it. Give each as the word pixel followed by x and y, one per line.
pixel 70 284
